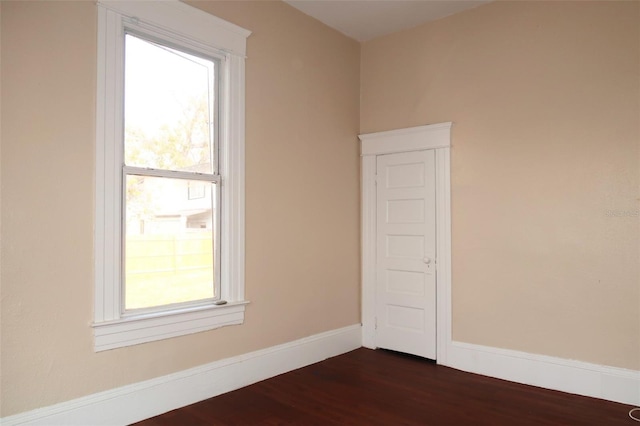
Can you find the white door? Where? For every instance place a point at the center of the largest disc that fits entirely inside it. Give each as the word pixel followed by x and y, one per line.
pixel 406 253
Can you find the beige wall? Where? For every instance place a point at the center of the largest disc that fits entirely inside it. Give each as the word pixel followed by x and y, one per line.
pixel 302 199
pixel 545 103
pixel 544 97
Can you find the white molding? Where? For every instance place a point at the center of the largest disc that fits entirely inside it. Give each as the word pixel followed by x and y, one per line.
pixel 443 250
pixel 577 377
pixel 107 250
pixel 184 20
pixel 139 401
pixel 142 329
pixel 146 399
pixel 418 138
pixel 186 26
pixel 232 157
pixel 436 137
pixel 368 250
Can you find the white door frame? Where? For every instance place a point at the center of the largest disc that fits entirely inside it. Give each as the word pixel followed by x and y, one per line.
pixel 438 138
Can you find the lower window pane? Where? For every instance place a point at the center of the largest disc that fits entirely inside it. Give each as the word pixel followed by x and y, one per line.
pixel 169 243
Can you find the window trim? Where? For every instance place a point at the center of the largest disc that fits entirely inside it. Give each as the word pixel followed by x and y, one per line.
pixel 175 21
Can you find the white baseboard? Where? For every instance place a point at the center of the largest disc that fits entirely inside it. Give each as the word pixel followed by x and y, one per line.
pixel 146 399
pixel 139 401
pixel 582 378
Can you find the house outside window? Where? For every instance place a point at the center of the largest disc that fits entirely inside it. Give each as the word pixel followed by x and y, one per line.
pixel 169 237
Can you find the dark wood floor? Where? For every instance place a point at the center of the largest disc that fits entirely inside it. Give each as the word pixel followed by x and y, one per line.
pixel 366 387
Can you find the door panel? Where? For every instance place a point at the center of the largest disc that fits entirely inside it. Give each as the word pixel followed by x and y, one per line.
pixel 405 282
pixel 405 211
pixel 406 255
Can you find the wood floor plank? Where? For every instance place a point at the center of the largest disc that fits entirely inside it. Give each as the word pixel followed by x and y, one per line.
pixel 366 387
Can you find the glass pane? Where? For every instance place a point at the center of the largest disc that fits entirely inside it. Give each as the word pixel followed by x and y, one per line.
pixel 169 243
pixel 169 108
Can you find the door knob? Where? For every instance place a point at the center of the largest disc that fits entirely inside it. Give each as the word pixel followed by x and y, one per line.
pixel 427 260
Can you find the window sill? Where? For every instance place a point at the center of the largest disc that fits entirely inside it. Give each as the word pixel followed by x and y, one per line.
pixel 148 328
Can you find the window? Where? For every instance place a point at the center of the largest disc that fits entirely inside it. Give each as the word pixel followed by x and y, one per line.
pixel 170 144
pixel 169 238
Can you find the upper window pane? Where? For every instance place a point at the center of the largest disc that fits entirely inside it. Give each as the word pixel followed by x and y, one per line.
pixel 170 113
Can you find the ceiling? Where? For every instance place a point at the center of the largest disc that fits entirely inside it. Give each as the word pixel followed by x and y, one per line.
pixel 364 20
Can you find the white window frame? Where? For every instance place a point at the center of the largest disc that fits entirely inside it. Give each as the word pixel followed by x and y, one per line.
pixel 174 22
